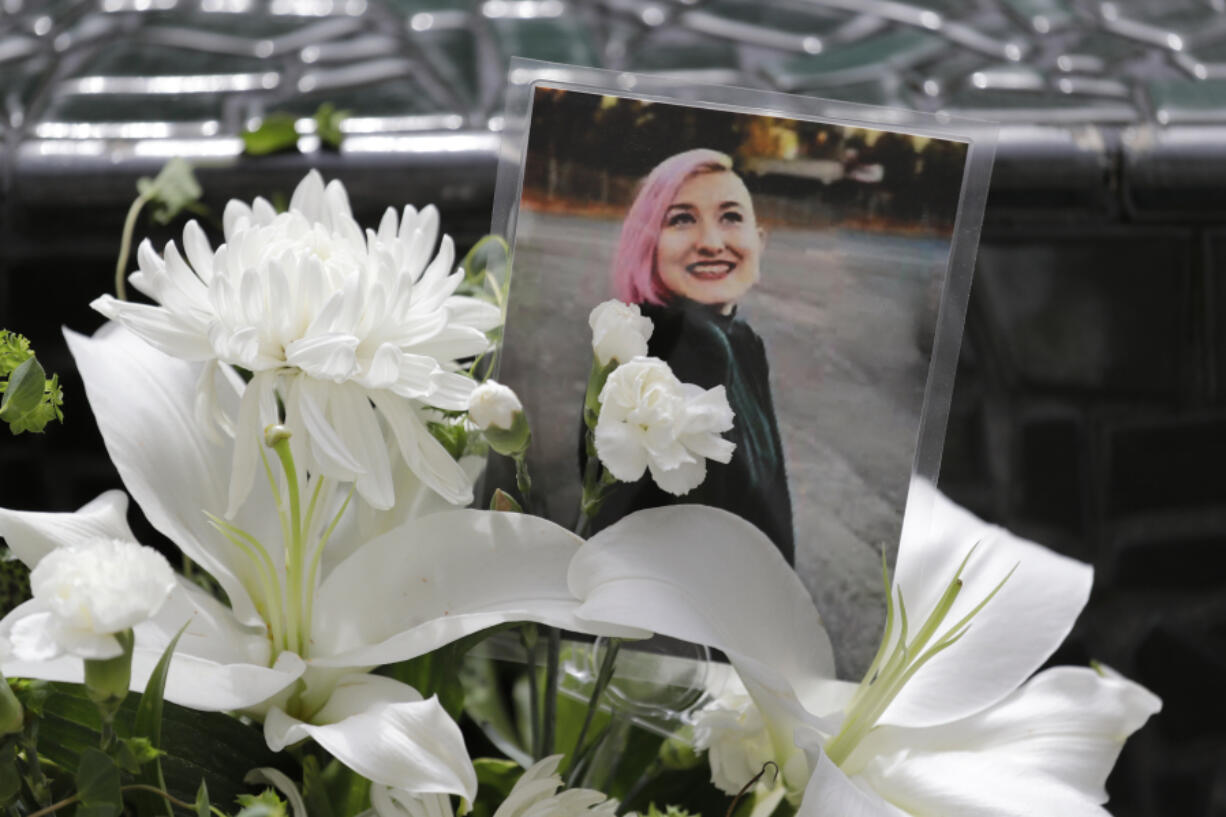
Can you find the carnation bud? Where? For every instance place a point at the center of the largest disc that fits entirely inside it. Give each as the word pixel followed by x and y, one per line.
pixel 496 410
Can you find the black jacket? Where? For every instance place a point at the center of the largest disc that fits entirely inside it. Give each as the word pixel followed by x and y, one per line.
pixel 709 349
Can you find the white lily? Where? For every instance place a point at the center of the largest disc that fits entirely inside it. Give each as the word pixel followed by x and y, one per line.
pixel 958 732
pixel 295 644
pixel 329 320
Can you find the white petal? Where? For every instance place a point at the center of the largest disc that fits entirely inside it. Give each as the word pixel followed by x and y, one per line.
pixel 235 217
pixel 474 312
pixel 996 655
pixel 254 414
pixel 143 402
pixel 831 794
pixel 199 251
pixel 672 571
pixel 451 390
pixel 437 579
pixel 424 455
pixel 33 633
pixel 680 479
pixel 355 421
pixel 1063 729
pixel 329 356
pixel 308 197
pixel 32 535
pixel 172 333
pixel 382 730
pixel 310 399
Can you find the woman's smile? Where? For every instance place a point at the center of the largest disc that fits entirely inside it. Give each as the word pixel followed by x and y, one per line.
pixel 710 243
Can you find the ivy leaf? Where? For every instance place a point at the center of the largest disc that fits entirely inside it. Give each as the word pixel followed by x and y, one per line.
pixel 328 125
pixel 98 785
pixel 277 132
pixel 174 189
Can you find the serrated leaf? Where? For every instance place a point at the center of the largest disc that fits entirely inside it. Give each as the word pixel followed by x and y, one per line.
pixel 264 804
pixel 453 436
pixel 132 753
pixel 277 132
pixel 97 781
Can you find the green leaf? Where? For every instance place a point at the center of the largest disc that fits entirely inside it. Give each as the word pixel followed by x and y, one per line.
pixel 328 125
pixel 98 784
pixel 347 790
pixel 196 746
pixel 10 778
pixel 149 709
pixel 314 789
pixel 202 800
pixel 486 704
pixel 496 777
pixel 14 350
pixel 31 401
pixel 502 501
pixel 265 804
pixel 276 133
pixel 173 190
pixel 453 436
pixel 133 753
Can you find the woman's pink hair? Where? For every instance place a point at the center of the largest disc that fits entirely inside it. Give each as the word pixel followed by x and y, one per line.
pixel 634 264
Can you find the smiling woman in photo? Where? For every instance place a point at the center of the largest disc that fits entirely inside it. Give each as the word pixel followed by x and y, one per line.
pixel 690 249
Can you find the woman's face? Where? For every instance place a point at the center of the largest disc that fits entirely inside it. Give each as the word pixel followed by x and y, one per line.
pixel 710 243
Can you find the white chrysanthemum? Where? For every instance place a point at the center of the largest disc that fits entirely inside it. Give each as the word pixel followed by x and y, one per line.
pixel 651 420
pixel 84 596
pixel 734 735
pixel 619 332
pixel 493 405
pixel 330 320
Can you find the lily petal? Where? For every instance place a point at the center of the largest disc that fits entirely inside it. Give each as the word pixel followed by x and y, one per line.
pixel 672 570
pixel 1061 733
pixel 384 731
pixel 32 535
pixel 144 404
pixel 443 577
pixel 1047 591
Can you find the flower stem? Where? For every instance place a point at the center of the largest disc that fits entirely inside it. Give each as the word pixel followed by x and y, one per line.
pixel 523 482
pixel 125 243
pixel 553 658
pixel 277 437
pixel 528 635
pixel 603 676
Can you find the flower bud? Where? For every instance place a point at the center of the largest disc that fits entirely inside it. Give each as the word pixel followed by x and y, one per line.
pixel 619 332
pixel 496 410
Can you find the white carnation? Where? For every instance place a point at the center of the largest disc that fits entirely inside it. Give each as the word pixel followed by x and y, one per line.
pixel 83 596
pixel 651 420
pixel 619 332
pixel 731 730
pixel 493 405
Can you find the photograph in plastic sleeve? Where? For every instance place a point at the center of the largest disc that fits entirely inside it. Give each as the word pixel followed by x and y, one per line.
pixel 797 264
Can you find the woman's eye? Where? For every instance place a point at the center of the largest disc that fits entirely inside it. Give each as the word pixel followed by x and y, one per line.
pixel 679 218
pixel 733 216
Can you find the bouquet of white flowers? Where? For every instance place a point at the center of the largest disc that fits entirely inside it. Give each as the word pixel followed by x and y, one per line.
pixel 302 410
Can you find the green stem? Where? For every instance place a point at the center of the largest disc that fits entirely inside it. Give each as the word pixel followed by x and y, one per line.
pixel 523 482
pixel 603 677
pixel 125 243
pixel 528 635
pixel 295 551
pixel 315 559
pixel 553 659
